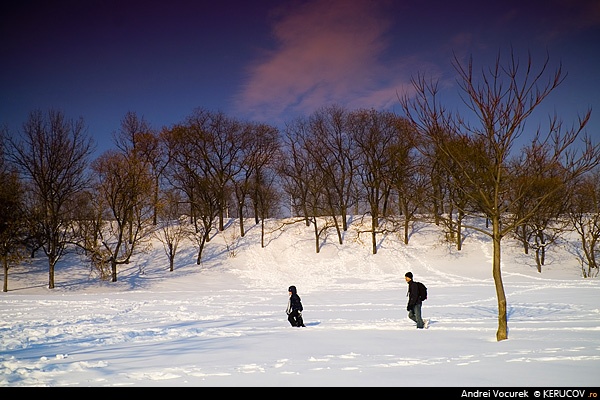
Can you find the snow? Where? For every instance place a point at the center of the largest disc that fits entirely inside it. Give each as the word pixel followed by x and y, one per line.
pixel 223 323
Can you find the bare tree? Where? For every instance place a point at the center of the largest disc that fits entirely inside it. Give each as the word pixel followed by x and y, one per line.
pixel 295 166
pixel 218 142
pixel 207 207
pixel 546 225
pixel 123 199
pixel 469 154
pixel 305 182
pixel 126 191
pixel 264 192
pixel 173 226
pixel 87 221
pixel 375 134
pixel 266 198
pixel 501 101
pixel 12 218
pixel 53 158
pixel 584 215
pixel 188 172
pixel 301 180
pixel 259 149
pixel 136 139
pixel 406 175
pixel 336 157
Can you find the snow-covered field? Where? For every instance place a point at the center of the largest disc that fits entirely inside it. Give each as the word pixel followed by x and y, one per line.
pixel 223 323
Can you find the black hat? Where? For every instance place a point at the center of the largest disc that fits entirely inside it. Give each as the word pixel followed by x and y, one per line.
pixel 292 289
pixel 408 274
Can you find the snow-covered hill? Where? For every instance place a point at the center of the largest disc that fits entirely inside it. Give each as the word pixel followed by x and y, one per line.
pixel 223 323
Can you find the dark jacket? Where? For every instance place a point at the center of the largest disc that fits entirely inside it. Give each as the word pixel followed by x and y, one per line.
pixel 413 294
pixel 294 303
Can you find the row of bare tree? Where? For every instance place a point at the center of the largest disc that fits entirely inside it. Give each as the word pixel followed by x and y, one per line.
pixel 429 164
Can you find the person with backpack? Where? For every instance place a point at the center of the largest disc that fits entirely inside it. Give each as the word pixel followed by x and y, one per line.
pixel 415 302
pixel 294 308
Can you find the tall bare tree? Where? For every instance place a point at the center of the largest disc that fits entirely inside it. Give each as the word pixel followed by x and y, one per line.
pixel 264 189
pixel 295 167
pixel 406 175
pixel 53 158
pixel 544 227
pixel 137 141
pixel 501 99
pixel 303 178
pixel 123 197
pixel 336 157
pixel 218 142
pixel 266 198
pixel 189 173
pixel 12 218
pixel 260 148
pixel 375 134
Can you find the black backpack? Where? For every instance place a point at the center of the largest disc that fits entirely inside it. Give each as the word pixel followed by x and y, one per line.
pixel 422 291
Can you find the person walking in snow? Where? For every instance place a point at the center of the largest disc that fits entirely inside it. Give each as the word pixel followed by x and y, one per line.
pixel 294 308
pixel 414 302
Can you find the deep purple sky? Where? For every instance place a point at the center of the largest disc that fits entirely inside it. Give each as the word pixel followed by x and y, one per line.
pixel 272 60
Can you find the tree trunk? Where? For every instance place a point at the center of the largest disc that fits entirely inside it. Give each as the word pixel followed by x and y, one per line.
pixel 344 219
pixel 51 264
pixel 502 332
pixel 171 257
pixel 374 227
pixel 242 230
pixel 406 220
pixel 461 215
pixel 262 233
pixel 5 286
pixel 317 247
pixel 201 247
pixel 542 248
pixel 524 236
pixel 338 230
pixel 221 219
pixel 113 268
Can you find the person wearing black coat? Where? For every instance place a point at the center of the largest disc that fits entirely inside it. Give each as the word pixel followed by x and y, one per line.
pixel 414 302
pixel 294 308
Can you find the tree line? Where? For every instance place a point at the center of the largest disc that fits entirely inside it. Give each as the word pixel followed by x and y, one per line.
pixel 428 164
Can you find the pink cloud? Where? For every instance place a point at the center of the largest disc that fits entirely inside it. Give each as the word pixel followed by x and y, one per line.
pixel 327 52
